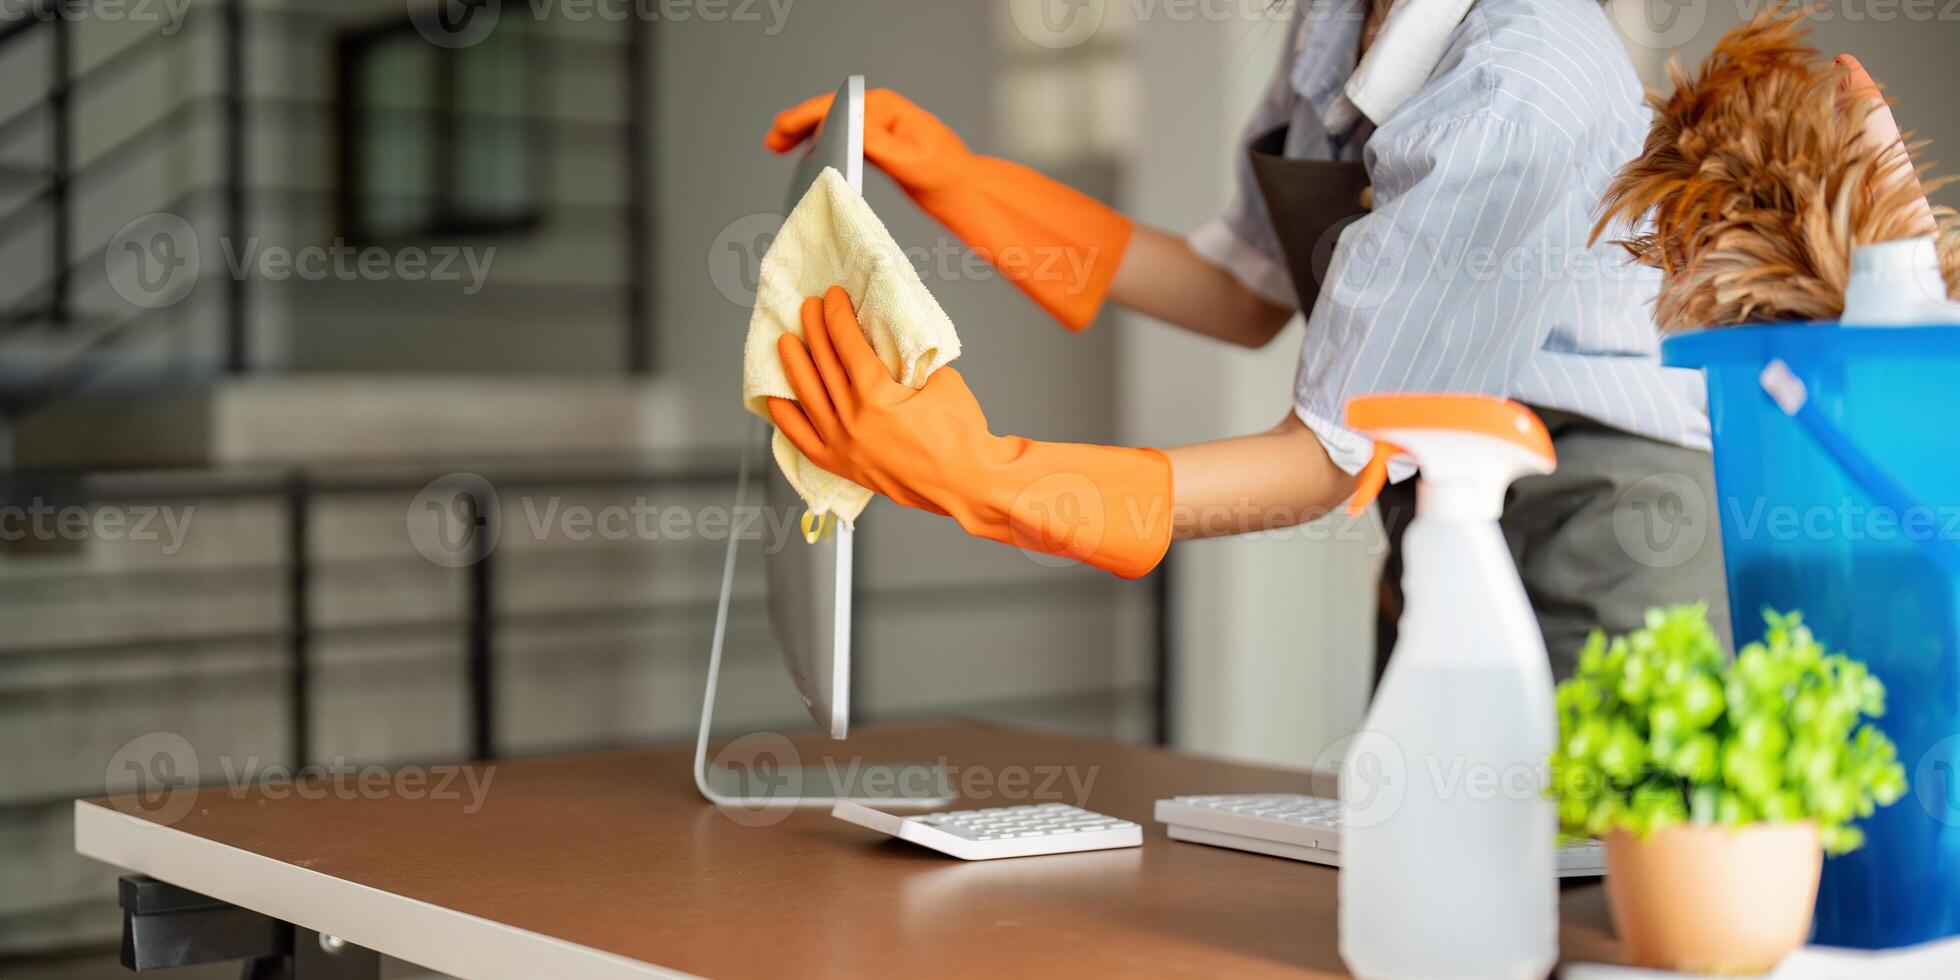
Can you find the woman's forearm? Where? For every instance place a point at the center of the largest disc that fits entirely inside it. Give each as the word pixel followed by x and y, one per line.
pixel 1161 277
pixel 1275 479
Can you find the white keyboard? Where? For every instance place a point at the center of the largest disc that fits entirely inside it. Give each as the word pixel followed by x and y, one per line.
pixel 1307 828
pixel 1002 831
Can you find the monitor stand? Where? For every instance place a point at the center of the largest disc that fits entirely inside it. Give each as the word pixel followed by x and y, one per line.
pixel 764 771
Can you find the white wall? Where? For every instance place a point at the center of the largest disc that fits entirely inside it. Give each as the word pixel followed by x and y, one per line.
pixel 1273 636
pixel 1907 45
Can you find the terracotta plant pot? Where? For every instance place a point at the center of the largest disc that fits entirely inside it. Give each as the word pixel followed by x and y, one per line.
pixel 1713 899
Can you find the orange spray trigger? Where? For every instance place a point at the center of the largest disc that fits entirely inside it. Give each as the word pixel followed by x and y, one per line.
pixel 1372 478
pixel 1468 447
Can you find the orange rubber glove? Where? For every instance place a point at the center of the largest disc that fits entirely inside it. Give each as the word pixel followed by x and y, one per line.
pixel 1059 245
pixel 929 448
pixel 1882 132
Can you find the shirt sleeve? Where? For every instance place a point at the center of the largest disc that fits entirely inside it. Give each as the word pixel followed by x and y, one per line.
pixel 1445 286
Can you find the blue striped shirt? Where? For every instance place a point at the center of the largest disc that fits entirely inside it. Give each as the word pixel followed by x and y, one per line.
pixel 1472 272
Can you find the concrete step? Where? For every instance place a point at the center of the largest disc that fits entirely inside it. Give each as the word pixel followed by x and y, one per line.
pixel 318 419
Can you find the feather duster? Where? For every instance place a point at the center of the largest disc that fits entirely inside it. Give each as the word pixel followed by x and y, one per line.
pixel 1759 181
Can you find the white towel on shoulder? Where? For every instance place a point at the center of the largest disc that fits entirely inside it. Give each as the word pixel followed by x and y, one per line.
pixel 832 238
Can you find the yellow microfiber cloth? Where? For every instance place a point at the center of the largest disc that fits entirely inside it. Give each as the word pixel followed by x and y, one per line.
pixel 832 238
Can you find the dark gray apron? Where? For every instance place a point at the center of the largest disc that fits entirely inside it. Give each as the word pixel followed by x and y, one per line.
pixel 1559 527
pixel 1308 203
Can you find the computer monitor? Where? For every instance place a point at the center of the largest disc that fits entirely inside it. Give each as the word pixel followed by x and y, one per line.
pixel 810 581
pixel 809 601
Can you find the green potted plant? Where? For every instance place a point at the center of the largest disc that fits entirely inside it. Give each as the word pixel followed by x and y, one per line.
pixel 1718 785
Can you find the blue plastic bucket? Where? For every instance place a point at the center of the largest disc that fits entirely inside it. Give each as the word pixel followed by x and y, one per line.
pixel 1849 509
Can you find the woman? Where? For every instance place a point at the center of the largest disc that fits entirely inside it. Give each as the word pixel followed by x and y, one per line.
pixel 1456 152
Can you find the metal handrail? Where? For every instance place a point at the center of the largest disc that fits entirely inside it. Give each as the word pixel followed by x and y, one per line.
pixel 21 27
pixel 56 194
pixel 86 353
pixel 302 487
pixel 123 59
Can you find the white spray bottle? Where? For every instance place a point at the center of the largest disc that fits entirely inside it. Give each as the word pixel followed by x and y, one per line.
pixel 1448 852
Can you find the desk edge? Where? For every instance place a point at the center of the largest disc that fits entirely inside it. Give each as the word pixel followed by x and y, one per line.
pixel 442 939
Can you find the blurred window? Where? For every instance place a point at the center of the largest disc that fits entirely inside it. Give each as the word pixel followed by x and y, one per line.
pixel 437 141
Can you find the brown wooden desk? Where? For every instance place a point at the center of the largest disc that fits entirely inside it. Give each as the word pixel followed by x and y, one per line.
pixel 610 865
